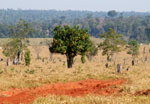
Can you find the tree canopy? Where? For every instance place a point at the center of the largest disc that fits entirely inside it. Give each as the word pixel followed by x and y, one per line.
pixel 112 13
pixel 112 43
pixel 132 25
pixel 133 48
pixel 17 44
pixel 71 41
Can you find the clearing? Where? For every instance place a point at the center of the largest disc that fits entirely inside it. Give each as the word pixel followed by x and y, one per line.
pixel 80 88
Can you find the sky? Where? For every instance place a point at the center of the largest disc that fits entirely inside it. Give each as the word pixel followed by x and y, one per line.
pixel 90 5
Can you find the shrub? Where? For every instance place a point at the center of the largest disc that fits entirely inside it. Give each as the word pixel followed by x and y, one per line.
pixel 27 58
pixel 28 71
pixel 83 59
pixel 12 69
pixel 28 41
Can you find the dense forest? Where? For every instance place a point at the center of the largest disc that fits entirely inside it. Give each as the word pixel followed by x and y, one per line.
pixel 132 25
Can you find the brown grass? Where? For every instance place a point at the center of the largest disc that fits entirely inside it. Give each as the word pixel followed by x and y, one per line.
pixel 40 73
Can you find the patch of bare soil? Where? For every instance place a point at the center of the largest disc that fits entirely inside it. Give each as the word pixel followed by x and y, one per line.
pixel 80 88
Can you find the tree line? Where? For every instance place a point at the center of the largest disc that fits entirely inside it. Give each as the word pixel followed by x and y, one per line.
pixel 132 25
pixel 69 41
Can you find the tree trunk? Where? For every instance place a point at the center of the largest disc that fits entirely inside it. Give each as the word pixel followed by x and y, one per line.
pixel 69 61
pixel 7 63
pixel 22 57
pixel 106 65
pixel 119 68
pixel 146 59
pixel 133 62
pixel 19 52
pixel 51 56
pixel 89 57
pixel 18 56
pixel 128 68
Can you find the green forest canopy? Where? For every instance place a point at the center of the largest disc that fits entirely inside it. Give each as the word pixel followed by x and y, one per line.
pixel 132 25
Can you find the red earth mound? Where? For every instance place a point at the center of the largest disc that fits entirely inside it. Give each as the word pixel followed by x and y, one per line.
pixel 80 88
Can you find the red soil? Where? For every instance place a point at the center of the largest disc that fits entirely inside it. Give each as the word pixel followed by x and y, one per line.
pixel 80 88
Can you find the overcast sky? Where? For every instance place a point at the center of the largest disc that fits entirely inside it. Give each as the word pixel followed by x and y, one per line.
pixel 92 5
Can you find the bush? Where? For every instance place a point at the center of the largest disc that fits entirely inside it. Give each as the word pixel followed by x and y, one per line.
pixel 41 43
pixel 12 69
pixel 83 59
pixel 28 71
pixel 28 41
pixel 27 58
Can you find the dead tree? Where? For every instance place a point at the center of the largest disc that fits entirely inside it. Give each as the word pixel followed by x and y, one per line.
pixel 119 68
pixel 133 63
pixel 128 68
pixel 7 63
pixel 144 50
pixel 146 59
pixel 15 61
pixel 51 57
pixel 43 60
pixel 21 57
pixel 106 65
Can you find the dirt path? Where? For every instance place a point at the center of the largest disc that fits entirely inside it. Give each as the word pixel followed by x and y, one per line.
pixel 80 88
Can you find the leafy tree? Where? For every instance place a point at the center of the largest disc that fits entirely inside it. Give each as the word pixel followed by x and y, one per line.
pixel 112 13
pixel 133 49
pixel 19 32
pixel 133 25
pixel 10 49
pixel 71 41
pixel 17 44
pixel 112 44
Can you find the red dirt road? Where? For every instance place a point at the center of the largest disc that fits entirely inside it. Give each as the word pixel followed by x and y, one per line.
pixel 80 88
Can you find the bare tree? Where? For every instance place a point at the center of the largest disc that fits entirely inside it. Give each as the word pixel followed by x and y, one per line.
pixel 119 68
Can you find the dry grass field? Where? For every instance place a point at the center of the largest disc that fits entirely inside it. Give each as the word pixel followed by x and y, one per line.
pixel 43 71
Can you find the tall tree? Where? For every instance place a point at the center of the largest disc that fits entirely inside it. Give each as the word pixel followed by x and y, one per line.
pixel 133 49
pixel 10 49
pixel 71 41
pixel 112 13
pixel 19 32
pixel 17 44
pixel 112 44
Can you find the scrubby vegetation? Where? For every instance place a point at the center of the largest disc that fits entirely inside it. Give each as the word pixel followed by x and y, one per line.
pixel 37 62
pixel 27 57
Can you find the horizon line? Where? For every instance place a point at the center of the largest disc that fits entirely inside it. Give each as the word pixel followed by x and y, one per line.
pixel 70 10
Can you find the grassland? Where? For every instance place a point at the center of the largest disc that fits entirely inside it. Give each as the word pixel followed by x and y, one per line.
pixel 40 73
pixel 40 41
